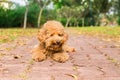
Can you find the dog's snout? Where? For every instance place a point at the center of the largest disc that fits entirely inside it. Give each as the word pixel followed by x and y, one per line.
pixel 58 42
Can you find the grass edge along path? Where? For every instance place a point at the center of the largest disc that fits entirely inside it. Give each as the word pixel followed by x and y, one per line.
pixel 107 33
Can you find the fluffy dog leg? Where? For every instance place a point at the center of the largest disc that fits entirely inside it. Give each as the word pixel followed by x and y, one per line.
pixel 68 48
pixel 38 54
pixel 60 57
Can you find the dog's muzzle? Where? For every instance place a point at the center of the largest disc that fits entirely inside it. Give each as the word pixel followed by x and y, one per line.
pixel 55 46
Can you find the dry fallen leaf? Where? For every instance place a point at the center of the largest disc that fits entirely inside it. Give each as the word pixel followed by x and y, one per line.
pixel 114 61
pixel 75 68
pixel 104 46
pixel 21 42
pixel 106 39
pixel 52 77
pixel 2 54
pixel 17 56
pixel 3 70
pixel 1 49
pixel 8 49
pixel 72 75
pixel 31 62
pixel 105 55
pixel 117 46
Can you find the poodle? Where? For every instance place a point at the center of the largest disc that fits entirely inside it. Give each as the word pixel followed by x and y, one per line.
pixel 52 38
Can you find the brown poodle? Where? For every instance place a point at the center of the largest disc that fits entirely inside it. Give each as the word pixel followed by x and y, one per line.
pixel 52 39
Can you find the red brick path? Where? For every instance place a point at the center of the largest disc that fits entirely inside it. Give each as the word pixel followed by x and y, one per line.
pixel 94 60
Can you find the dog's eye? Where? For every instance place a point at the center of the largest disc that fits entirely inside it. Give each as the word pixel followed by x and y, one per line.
pixel 60 34
pixel 51 34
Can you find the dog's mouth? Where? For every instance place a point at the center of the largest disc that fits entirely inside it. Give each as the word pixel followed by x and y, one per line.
pixel 57 43
pixel 55 46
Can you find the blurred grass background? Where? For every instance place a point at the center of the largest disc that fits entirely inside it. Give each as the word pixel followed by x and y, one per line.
pixel 10 34
pixel 107 33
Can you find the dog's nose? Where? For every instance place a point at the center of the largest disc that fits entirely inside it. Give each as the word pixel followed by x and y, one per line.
pixel 58 42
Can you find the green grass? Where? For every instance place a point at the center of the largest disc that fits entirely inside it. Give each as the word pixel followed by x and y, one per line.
pixel 10 34
pixel 113 33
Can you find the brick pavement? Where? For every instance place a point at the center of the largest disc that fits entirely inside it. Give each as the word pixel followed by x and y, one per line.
pixel 94 60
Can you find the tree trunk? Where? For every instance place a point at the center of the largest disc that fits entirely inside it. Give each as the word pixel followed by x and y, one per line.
pixel 82 22
pixel 68 20
pixel 77 24
pixel 105 22
pixel 39 17
pixel 25 18
pixel 40 13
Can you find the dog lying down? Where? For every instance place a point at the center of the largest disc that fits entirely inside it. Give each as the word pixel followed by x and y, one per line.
pixel 52 44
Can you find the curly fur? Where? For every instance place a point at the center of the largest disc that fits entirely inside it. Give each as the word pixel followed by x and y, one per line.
pixel 52 39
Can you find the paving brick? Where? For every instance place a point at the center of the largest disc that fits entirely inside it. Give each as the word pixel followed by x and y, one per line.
pixel 89 62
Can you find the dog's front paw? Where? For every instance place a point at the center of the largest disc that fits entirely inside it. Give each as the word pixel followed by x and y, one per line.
pixel 71 50
pixel 60 57
pixel 39 57
pixel 68 49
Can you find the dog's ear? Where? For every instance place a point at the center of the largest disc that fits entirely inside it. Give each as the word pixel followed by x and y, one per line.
pixel 41 35
pixel 65 36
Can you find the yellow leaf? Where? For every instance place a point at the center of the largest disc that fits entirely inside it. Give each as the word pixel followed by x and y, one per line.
pixel 75 68
pixel 72 75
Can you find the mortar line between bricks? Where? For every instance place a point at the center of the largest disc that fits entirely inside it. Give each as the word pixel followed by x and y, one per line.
pixel 24 74
pixel 102 53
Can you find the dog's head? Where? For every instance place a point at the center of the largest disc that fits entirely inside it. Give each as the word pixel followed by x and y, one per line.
pixel 52 35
